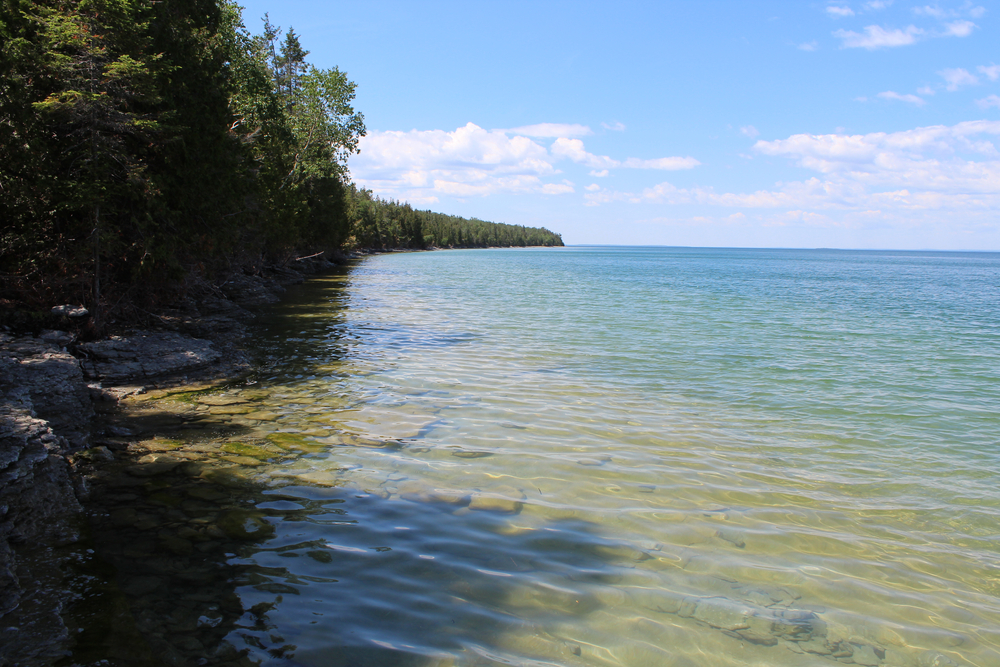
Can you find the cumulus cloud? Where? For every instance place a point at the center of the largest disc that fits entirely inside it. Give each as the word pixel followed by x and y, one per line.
pixel 912 99
pixel 665 163
pixel 563 188
pixel 614 127
pixel 876 5
pixel 468 161
pixel 879 152
pixel 954 168
pixel 991 72
pixel 809 46
pixel 877 37
pixel 934 12
pixel 574 150
pixel 750 131
pixel 957 77
pixel 959 28
pixel 937 12
pixel 925 90
pixel 834 10
pixel 990 101
pixel 550 130
pixel 420 165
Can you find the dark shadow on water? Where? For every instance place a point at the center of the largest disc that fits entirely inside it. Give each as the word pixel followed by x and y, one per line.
pixel 353 578
pixel 204 564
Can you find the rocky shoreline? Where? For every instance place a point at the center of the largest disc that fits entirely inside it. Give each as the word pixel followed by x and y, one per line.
pixel 53 391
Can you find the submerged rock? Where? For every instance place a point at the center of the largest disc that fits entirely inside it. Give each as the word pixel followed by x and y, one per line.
pixel 245 525
pixel 240 449
pixel 491 502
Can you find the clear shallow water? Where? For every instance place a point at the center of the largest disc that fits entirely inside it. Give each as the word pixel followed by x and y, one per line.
pixel 595 456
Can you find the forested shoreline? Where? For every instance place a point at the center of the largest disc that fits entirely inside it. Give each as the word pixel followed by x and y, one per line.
pixel 147 146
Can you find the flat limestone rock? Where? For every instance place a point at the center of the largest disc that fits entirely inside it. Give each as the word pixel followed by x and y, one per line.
pixel 229 410
pixel 243 460
pixel 222 400
pixel 122 359
pixel 263 416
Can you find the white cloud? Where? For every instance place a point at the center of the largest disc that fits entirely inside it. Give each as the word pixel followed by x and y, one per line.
pixel 593 187
pixel 614 127
pixel 990 101
pixel 878 151
pixel 551 130
pixel 991 72
pixel 912 99
pixel 877 37
pixel 902 174
pixel 959 28
pixel 468 161
pixel 666 163
pixel 926 90
pixel 809 46
pixel 876 5
pixel 750 131
pixel 573 149
pixel 564 188
pixel 958 77
pixel 834 10
pixel 472 161
pixel 935 11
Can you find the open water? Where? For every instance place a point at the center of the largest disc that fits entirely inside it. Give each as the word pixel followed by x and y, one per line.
pixel 627 457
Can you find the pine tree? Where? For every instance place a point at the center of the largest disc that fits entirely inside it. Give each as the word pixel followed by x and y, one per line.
pixel 95 53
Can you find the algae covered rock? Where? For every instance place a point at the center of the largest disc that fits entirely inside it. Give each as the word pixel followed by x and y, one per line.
pixel 295 442
pixel 245 525
pixel 241 449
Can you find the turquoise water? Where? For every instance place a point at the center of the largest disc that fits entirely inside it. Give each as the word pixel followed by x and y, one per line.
pixel 607 456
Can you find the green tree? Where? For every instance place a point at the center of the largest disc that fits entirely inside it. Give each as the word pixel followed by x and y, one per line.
pixel 95 54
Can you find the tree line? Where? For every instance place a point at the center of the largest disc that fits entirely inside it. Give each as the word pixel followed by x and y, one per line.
pixel 378 223
pixel 143 143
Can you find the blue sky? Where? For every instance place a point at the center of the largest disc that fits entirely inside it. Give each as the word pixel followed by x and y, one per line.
pixel 752 124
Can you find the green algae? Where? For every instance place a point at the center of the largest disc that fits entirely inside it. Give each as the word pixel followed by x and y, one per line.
pixel 241 449
pixel 295 442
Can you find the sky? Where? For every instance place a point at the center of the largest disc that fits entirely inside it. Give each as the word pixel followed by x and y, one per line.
pixel 861 124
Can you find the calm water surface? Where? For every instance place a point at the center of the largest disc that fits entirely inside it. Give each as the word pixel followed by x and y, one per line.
pixel 592 456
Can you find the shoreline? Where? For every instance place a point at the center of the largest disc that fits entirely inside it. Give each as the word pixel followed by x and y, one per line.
pixel 54 390
pixel 55 394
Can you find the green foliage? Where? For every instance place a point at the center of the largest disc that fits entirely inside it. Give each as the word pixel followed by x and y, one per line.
pixel 387 224
pixel 300 128
pixel 90 87
pixel 144 142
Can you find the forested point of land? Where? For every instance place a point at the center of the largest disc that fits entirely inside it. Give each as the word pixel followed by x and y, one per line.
pixel 147 145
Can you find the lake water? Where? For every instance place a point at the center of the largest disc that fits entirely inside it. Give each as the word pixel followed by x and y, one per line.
pixel 581 456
